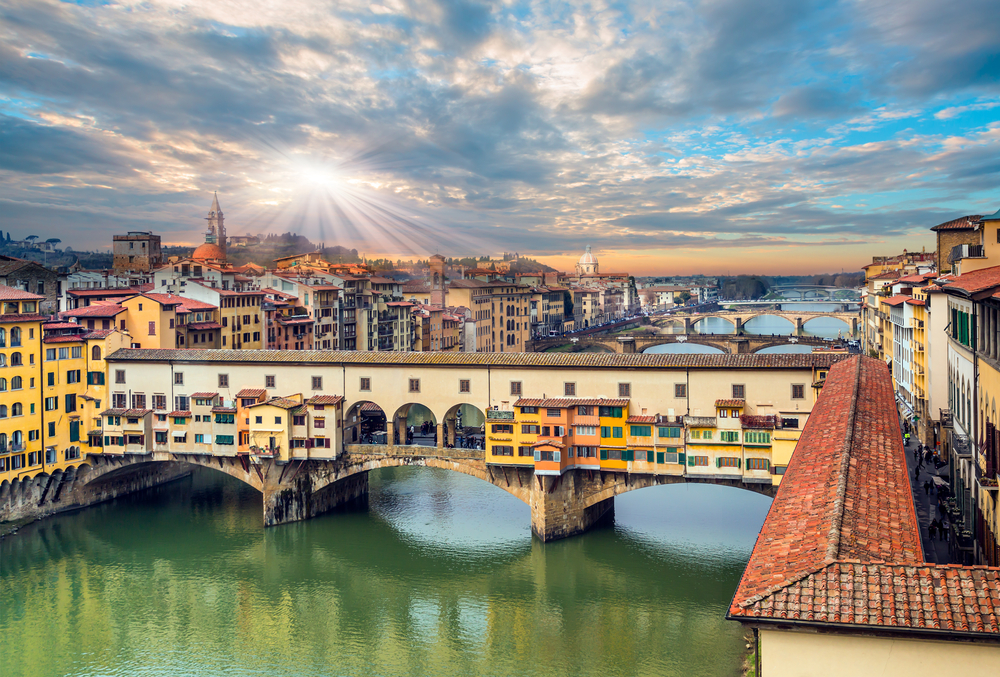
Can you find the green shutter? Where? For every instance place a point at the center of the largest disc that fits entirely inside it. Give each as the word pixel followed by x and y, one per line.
pixel 604 454
pixel 629 455
pixel 659 457
pixel 681 457
pixel 649 456
pixel 74 431
pixel 718 462
pixel 691 461
pixel 739 463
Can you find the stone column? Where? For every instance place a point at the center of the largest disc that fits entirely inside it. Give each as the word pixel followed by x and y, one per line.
pixel 559 504
pixel 295 500
pixel 688 325
pixel 451 430
pixel 440 435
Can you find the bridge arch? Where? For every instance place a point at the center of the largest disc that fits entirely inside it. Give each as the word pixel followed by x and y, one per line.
pixel 109 469
pixel 362 421
pixel 695 341
pixel 462 426
pixel 698 319
pixel 847 325
pixel 619 487
pixel 421 418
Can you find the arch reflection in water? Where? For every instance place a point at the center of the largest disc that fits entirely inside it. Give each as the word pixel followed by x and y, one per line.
pixel 440 576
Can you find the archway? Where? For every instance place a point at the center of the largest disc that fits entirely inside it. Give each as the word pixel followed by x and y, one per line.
pixel 686 347
pixel 826 327
pixel 769 324
pixel 365 423
pixel 463 427
pixel 414 424
pixel 714 324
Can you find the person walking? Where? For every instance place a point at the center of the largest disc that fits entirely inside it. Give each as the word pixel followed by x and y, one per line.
pixel 927 487
pixel 932 530
pixel 906 438
pixel 916 474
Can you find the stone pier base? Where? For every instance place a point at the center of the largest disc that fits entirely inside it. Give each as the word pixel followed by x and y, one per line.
pixel 295 500
pixel 561 507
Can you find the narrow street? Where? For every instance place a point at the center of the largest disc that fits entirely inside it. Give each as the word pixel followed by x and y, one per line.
pixel 936 550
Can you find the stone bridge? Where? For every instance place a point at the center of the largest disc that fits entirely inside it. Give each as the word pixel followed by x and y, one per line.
pixel 561 506
pixel 739 318
pixel 639 343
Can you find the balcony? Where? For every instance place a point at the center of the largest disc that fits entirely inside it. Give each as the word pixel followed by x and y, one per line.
pixel 966 251
pixel 918 347
pixel 947 420
pixel 699 421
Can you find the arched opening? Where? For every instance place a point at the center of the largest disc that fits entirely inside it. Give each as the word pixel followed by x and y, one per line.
pixel 365 423
pixel 714 325
pixel 463 427
pixel 414 424
pixel 826 327
pixel 685 348
pixel 95 353
pixel 671 326
pixel 769 325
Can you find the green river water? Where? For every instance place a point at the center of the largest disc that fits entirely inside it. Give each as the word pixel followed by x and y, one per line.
pixel 438 576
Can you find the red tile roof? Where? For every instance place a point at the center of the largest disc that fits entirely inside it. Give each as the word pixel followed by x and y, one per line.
pixel 192 304
pixel 95 310
pixel 961 223
pixel 976 281
pixel 137 413
pixel 896 300
pixel 887 275
pixel 201 326
pixel 22 318
pixel 562 403
pixel 14 294
pixel 203 396
pixel 841 543
pixel 731 403
pixel 916 302
pixel 641 419
pixel 166 299
pixel 180 414
pixel 251 392
pixel 65 338
pixel 223 410
pixel 325 399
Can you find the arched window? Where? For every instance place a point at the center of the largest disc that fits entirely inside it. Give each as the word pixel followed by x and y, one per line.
pixel 17 409
pixel 15 336
pixel 3 360
pixel 17 438
pixel 3 411
pixel 3 436
pixel 15 359
pixel 3 384
pixel 15 383
pixel 95 353
pixel 3 337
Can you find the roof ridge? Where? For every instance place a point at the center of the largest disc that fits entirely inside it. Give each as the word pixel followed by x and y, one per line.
pixel 833 544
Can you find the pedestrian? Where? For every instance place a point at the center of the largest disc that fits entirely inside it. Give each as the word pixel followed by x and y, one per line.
pixel 916 474
pixel 927 487
pixel 906 438
pixel 932 529
pixel 941 530
pixel 916 456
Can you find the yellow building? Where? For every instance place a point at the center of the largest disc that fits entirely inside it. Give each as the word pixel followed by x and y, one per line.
pixel 270 427
pixel 21 420
pixel 150 319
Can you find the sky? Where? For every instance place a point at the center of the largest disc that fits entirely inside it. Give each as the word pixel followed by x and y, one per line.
pixel 674 137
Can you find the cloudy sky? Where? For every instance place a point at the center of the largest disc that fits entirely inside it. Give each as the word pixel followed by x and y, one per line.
pixel 673 136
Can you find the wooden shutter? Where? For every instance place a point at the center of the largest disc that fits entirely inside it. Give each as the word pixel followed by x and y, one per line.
pixel 604 454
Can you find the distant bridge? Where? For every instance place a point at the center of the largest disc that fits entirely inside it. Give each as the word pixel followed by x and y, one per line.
pixel 739 318
pixel 727 343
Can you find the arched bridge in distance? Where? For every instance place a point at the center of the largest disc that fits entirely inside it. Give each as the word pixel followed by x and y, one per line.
pixel 739 318
pixel 641 342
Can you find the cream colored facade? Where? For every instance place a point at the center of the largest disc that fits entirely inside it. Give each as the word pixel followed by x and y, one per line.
pixel 812 654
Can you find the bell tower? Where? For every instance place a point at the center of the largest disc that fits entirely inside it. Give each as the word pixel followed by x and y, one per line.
pixel 216 225
pixel 436 265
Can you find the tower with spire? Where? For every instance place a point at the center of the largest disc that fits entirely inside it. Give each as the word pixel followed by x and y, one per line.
pixel 216 226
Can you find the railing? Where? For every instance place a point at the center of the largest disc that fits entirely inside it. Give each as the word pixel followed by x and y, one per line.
pixel 700 421
pixel 966 251
pixel 918 346
pixel 17 447
pixel 947 419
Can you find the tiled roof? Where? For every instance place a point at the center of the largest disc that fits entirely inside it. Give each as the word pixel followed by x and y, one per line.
pixel 202 326
pixel 98 333
pixel 137 413
pixel 190 304
pixel 571 360
pixel 14 294
pixel 887 275
pixel 896 300
pixel 113 412
pixel 641 419
pixel 731 403
pixel 549 443
pixel 166 299
pixel 916 302
pixel 95 310
pixel 325 399
pixel 370 406
pixel 976 281
pixel 841 543
pixel 205 396
pixel 280 402
pixel 22 318
pixel 65 338
pixel 60 325
pixel 251 392
pixel 223 410
pixel 180 413
pixel 563 402
pixel 961 223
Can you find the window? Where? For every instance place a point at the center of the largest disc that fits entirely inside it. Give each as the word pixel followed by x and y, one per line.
pixel 624 390
pixel 277 420
pixel 50 354
pixel 182 403
pixel 529 429
pixel 739 391
pixel 51 404
pixel 73 376
pixel 317 382
pixel 138 400
pixel 298 420
pixel 569 389
pixel 159 402
pixel 779 469
pixel 77 352
pixel 259 419
pixel 178 378
pixel 118 401
pixel 698 460
pixel 727 462
pixel 613 412
pixel 503 428
pixel 51 380
pixel 756 437
pixel 463 385
pixel 789 423
pixel 723 413
pixel 670 432
pixel 553 412
pixel 414 385
pixel 758 464
pixel 585 411
pixel 529 410
pixel 525 451
pixel 223 380
pixel 641 431
pixel 95 353
pixel 500 450
pixel 586 430
pixel 605 431
pixel 269 382
pixel 515 388
pixel 52 429
pixel 319 423
pixel 366 384
pixel 616 432
pixel 152 328
pixel 798 391
pixel 224 439
pixel 680 390
pixel 730 436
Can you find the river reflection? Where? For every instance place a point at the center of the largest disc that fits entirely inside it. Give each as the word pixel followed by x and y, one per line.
pixel 439 576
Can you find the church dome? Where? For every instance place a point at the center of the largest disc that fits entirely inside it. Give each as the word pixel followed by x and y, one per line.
pixel 208 252
pixel 587 257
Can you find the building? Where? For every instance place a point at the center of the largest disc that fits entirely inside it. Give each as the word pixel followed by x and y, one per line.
pixel 952 234
pixel 503 322
pixel 33 278
pixel 136 252
pixel 21 420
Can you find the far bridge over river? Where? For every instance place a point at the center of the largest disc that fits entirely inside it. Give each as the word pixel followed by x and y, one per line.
pixel 641 342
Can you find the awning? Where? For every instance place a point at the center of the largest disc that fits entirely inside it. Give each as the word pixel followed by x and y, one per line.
pixel 179 433
pixel 939 482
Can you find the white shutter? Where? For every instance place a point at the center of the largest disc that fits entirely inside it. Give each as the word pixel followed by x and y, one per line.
pixel 557 456
pixel 208 439
pixel 538 456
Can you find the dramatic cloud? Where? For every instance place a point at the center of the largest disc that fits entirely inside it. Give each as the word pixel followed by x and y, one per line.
pixel 671 135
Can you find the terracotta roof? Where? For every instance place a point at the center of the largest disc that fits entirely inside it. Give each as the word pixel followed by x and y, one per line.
pixel 549 443
pixel 98 333
pixel 205 396
pixel 61 325
pixel 841 542
pixel 113 412
pixel 563 402
pixel 641 419
pixel 615 361
pixel 137 413
pixel 202 326
pixel 251 392
pixel 325 399
pixel 22 318
pixel 896 300
pixel 15 294
pixel 976 281
pixel 95 310
pixel 180 414
pixel 731 403
pixel 280 402
pixel 223 410
pixel 961 223
pixel 916 302
pixel 887 275
pixel 190 304
pixel 65 338
pixel 165 299
pixel 370 406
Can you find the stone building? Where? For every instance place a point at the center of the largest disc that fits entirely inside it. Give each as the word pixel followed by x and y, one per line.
pixel 952 234
pixel 136 252
pixel 34 278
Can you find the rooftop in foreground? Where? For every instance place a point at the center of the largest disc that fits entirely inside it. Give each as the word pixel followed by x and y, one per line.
pixel 577 360
pixel 840 548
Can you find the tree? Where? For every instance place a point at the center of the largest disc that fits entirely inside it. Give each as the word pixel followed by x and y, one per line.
pixel 53 241
pixel 31 237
